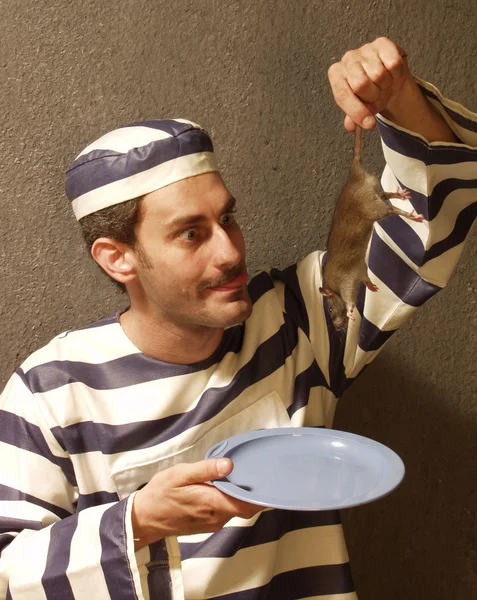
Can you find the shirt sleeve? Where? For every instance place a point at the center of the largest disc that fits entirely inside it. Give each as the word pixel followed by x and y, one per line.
pixel 48 549
pixel 407 260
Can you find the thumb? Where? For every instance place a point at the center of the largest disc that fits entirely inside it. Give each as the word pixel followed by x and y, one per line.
pixel 206 470
pixel 350 125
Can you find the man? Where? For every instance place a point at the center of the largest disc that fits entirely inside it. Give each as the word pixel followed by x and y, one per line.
pixel 104 430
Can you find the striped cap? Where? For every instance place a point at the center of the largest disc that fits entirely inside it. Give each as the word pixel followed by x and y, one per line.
pixel 137 159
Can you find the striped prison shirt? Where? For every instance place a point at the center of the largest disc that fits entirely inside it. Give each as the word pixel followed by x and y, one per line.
pixel 89 419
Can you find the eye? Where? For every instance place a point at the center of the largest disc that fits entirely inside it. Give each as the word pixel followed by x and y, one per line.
pixel 227 218
pixel 330 310
pixel 189 235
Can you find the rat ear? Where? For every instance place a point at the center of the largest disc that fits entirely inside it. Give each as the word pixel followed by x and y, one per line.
pixel 326 292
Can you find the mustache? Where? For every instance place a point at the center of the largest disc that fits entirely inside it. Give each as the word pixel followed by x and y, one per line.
pixel 229 275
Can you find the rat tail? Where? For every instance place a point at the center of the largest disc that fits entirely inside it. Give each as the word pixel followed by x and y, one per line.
pixel 357 172
pixel 358 137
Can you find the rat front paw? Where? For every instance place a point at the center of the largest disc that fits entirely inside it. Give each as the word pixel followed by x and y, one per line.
pixel 370 285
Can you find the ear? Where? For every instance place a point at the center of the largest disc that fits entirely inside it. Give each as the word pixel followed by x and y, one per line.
pixel 326 292
pixel 115 258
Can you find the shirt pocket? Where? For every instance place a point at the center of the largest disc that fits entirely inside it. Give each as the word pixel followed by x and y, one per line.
pixel 135 471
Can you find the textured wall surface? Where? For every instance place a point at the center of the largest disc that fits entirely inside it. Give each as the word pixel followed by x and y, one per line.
pixel 254 74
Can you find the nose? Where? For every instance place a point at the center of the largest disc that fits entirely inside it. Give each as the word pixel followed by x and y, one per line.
pixel 226 248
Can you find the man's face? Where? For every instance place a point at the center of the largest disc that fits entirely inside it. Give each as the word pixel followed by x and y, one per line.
pixel 190 255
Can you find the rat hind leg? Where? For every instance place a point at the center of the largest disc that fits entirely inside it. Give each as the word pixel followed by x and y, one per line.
pixel 413 216
pixel 404 195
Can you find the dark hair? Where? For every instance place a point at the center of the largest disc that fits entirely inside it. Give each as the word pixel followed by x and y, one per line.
pixel 117 222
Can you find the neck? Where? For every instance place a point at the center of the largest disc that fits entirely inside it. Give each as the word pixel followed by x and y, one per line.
pixel 168 342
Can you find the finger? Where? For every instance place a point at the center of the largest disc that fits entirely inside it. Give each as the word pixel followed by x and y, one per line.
pixel 347 100
pixel 361 84
pixel 202 471
pixel 376 71
pixel 238 508
pixel 392 56
pixel 350 125
pixel 368 123
pixel 357 78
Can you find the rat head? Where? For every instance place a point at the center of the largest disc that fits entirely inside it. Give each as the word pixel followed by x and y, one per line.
pixel 336 308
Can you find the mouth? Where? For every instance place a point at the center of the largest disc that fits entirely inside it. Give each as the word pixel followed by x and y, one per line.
pixel 233 284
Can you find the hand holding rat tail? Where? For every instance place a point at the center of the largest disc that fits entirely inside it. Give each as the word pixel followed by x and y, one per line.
pixel 366 79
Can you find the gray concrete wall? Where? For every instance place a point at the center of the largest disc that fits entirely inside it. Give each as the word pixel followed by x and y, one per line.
pixel 253 73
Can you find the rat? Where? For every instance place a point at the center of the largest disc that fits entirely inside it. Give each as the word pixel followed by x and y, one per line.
pixel 360 205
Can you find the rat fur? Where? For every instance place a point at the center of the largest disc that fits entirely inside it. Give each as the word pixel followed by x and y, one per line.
pixel 360 205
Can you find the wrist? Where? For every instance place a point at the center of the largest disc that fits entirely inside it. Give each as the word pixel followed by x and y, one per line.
pixel 410 109
pixel 144 533
pixel 404 100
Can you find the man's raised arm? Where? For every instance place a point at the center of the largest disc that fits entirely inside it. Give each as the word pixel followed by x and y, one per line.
pixel 375 78
pixel 430 147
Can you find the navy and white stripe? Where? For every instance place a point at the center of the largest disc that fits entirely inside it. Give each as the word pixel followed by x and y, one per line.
pixel 89 419
pixel 135 160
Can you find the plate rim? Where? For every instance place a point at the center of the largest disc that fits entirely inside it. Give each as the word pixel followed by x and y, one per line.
pixel 387 485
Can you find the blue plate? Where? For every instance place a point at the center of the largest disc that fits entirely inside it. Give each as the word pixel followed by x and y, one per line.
pixel 303 468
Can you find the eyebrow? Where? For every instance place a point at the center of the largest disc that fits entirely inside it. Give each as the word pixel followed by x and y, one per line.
pixel 193 219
